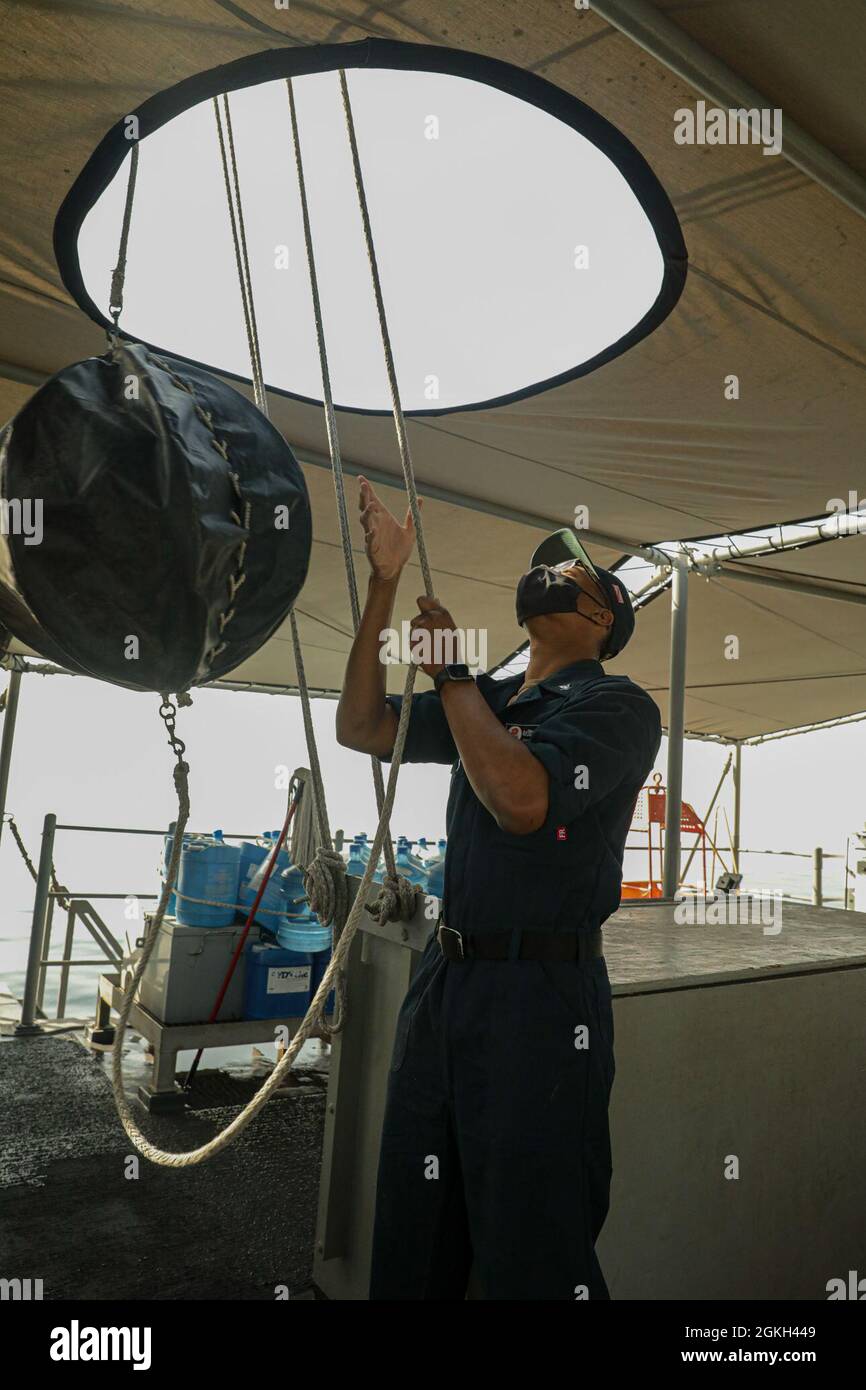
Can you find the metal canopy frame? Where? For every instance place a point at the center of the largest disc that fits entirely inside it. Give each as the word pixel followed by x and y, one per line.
pixel 674 561
pixel 653 31
pixel 659 36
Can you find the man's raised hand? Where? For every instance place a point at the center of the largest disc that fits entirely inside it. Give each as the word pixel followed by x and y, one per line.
pixel 387 543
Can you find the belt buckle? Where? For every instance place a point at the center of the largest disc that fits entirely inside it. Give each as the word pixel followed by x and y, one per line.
pixel 452 931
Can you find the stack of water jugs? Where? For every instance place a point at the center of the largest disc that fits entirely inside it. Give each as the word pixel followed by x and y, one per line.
pixel 286 958
pixel 426 868
pixel 287 951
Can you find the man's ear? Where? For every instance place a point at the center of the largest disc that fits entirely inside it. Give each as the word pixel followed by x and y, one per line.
pixel 599 615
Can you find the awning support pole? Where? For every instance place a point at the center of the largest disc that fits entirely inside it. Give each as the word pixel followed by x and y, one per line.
pixel 676 726
pixel 12 693
pixel 738 773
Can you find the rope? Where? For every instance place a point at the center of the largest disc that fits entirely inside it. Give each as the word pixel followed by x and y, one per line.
pixel 239 238
pixel 118 277
pixel 236 907
pixel 305 836
pixel 334 443
pixel 308 1027
pixel 325 882
pixel 397 409
pixel 394 897
pixel 325 876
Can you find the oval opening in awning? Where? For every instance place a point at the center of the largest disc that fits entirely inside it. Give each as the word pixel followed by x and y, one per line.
pixel 521 239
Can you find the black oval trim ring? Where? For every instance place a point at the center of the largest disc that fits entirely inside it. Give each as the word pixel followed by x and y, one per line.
pixel 275 63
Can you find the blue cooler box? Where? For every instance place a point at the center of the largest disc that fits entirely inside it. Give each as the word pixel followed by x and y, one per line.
pixel 277 982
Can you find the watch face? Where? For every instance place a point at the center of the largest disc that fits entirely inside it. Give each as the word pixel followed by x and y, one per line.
pixel 458 672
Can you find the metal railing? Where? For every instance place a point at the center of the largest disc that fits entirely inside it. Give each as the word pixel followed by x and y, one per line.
pixel 818 857
pixel 79 908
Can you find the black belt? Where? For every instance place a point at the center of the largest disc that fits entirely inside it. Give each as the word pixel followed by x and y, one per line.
pixel 534 945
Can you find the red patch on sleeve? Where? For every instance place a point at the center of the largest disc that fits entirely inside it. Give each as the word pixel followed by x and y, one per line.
pixel 561 832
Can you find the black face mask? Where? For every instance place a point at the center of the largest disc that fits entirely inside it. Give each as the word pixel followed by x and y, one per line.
pixel 544 590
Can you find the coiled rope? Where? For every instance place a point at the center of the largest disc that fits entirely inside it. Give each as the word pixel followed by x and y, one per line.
pixel 323 878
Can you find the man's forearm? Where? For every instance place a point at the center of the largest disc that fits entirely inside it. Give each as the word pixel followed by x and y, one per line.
pixel 364 721
pixel 506 778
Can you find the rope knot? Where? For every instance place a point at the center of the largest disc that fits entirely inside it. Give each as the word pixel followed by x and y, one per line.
pixel 326 887
pixel 396 900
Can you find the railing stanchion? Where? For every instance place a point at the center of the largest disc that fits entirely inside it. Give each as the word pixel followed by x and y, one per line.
pixel 67 956
pixel 28 1022
pixel 818 877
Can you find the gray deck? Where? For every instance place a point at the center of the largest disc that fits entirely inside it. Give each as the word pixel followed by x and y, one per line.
pixel 232 1228
pixel 646 949
pixel 243 1223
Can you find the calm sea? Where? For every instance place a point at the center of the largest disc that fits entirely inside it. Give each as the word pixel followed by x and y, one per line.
pixel 791 876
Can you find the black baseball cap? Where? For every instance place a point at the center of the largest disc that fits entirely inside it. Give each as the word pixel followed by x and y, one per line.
pixel 563 546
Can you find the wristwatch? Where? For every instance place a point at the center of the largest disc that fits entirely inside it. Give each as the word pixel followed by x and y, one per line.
pixel 457 671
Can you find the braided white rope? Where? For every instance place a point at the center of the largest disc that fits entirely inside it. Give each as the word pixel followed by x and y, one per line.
pixel 394 898
pixel 167 1158
pixel 396 405
pixel 334 440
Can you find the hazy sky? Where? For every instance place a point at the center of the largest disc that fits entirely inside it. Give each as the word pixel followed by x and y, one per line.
pixel 97 755
pixel 472 193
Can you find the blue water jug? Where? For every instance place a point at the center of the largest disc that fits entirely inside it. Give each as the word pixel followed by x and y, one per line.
pixel 366 848
pixel 271 909
pixel 357 862
pixel 407 864
pixel 294 893
pixel 209 870
pixel 168 841
pixel 305 933
pixel 277 982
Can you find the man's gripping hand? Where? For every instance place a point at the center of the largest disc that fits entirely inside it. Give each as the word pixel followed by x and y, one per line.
pixel 440 645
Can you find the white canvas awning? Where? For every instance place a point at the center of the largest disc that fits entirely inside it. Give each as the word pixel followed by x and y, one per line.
pixel 648 443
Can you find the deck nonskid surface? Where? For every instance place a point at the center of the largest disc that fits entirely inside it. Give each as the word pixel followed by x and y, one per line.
pixel 645 945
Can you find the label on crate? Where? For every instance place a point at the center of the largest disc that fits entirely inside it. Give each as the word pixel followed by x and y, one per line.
pixel 288 979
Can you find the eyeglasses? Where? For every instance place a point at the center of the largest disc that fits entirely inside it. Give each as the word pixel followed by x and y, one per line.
pixel 589 570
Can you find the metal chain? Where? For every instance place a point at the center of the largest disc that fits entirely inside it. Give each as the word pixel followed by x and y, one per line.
pixel 118 277
pixel 59 890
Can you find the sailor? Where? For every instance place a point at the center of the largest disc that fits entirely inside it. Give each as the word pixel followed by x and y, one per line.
pixel 495 1156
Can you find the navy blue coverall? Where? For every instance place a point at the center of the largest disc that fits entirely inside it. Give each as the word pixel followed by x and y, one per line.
pixel 495 1144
